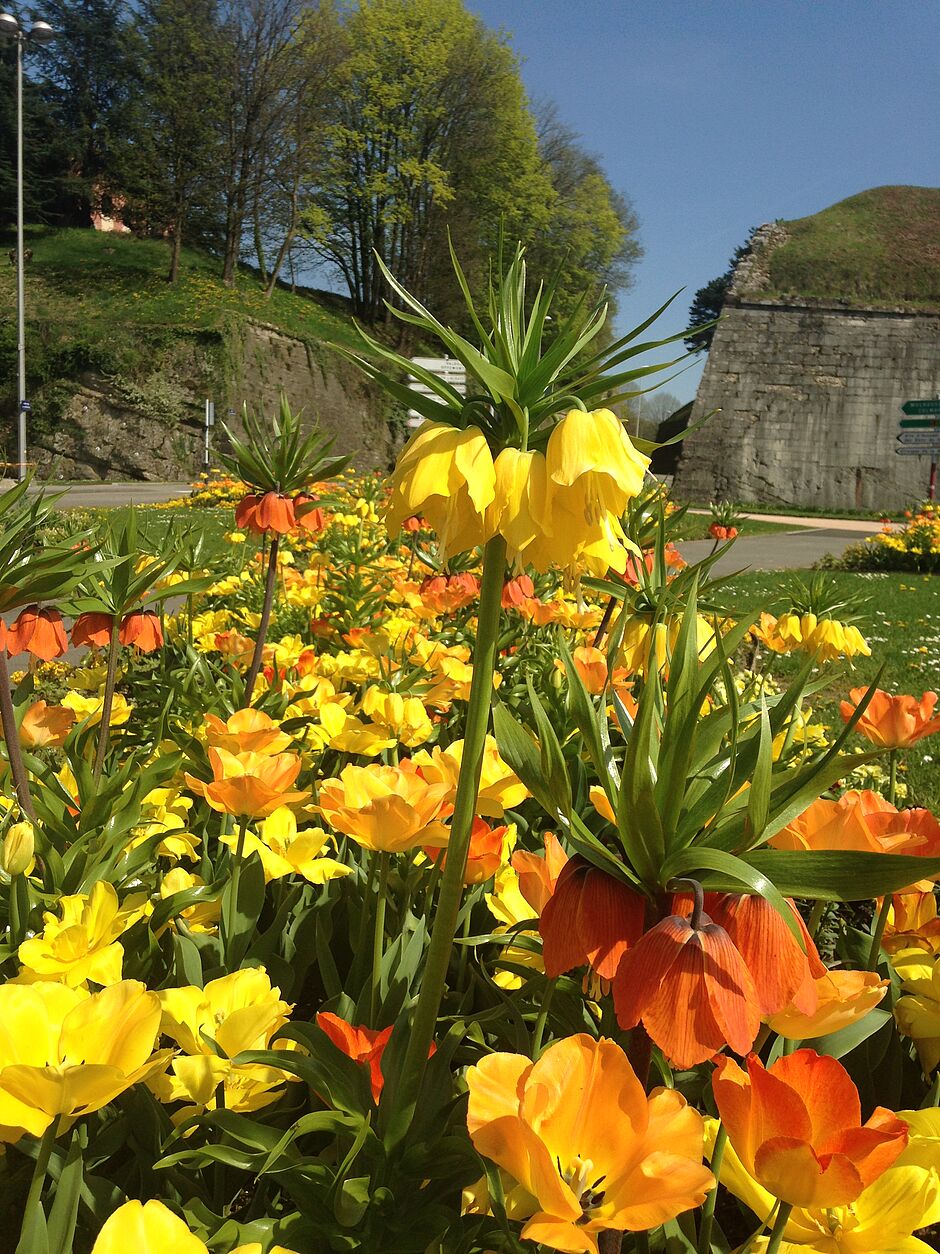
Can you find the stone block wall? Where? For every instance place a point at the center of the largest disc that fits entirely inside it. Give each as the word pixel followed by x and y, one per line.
pixel 809 398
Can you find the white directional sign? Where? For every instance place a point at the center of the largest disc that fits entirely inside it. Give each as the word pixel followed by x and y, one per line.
pixel 921 450
pixel 445 368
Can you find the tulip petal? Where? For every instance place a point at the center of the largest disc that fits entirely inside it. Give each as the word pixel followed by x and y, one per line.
pixel 790 1170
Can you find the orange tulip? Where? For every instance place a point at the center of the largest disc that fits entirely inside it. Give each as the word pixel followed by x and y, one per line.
pixel 247 731
pixel 893 722
pixel 782 971
pixel 249 785
pixel 45 725
pixel 141 629
pixel 39 632
pixel 413 524
pixel 590 1150
pixel 92 628
pixel 691 988
pixel 591 919
pixel 796 1126
pixel 267 513
pixel 842 824
pixel 392 808
pixel 360 1044
pixel 591 665
pixel 485 856
pixel 539 875
pixel 842 997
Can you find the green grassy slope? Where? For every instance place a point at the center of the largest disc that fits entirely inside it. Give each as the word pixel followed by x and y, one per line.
pixel 881 247
pixel 118 282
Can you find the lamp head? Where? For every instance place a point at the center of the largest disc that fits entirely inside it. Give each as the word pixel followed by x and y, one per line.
pixel 41 33
pixel 9 26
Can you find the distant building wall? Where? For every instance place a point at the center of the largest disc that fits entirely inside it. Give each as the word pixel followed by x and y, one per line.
pixel 809 397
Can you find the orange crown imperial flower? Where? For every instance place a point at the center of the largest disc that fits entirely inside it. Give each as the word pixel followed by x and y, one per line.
pixel 591 919
pixel 797 1128
pixel 92 628
pixel 270 512
pixel 142 629
pixel 692 989
pixel 893 722
pixel 590 1149
pixel 39 632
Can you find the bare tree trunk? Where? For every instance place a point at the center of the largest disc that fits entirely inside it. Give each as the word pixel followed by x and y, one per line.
pixel 286 243
pixel 259 243
pixel 176 247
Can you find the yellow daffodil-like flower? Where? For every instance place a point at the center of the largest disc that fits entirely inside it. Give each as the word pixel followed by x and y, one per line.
pixel 508 906
pixel 284 850
pixel 82 944
pixel 826 637
pixel 447 475
pixel 392 808
pixel 645 644
pixel 202 917
pixel 65 1053
pixel 500 788
pixel 246 731
pixel 249 785
pixel 403 717
pixel 16 852
pixel 88 709
pixel 344 732
pixel 237 1012
pixel 880 1220
pixel 518 511
pixel 594 1152
pixel 166 810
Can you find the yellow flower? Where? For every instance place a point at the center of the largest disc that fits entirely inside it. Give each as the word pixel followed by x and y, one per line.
pixel 147 1228
pixel 88 709
pixel 16 854
pixel 348 734
pixel 518 511
pixel 500 788
pixel 447 475
pixel 237 1012
pixel 166 810
pixel 842 998
pixel 405 718
pixel 507 904
pixel 918 1011
pixel 392 808
pixel 202 917
pixel 65 1053
pixel 579 1134
pixel 285 851
pixel 83 944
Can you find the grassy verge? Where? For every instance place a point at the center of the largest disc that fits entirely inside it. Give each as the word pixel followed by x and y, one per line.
pixel 902 625
pixel 695 527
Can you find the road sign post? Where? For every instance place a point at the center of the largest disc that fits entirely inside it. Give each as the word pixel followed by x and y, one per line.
pixel 920 435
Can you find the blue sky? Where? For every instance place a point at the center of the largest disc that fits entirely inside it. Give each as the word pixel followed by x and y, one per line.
pixel 714 116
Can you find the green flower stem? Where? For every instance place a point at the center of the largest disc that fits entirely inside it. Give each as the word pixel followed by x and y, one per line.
pixel 34 1197
pixel 107 701
pixel 237 865
pixel 263 625
pixel 816 917
pixel 878 933
pixel 11 734
pixel 708 1210
pixel 776 1236
pixel 407 1084
pixel 542 1020
pixel 893 777
pixel 378 937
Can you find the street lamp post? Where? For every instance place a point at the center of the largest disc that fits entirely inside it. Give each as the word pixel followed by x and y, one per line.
pixel 40 33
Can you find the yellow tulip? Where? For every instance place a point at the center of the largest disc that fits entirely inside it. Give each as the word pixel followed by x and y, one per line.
pixel 284 850
pixel 403 717
pixel 392 808
pixel 918 1011
pixel 65 1053
pixel 16 853
pixel 507 904
pixel 147 1228
pixel 83 944
pixel 250 784
pixel 344 732
pixel 238 1012
pixel 580 1135
pixel 842 998
pixel 88 709
pixel 202 917
pixel 246 731
pixel 500 788
pixel 447 475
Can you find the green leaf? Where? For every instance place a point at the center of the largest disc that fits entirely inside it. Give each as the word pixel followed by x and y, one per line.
pixel 838 1044
pixel 837 875
pixel 734 873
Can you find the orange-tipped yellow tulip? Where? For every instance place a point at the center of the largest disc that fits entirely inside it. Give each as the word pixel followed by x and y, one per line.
pixel 500 788
pixel 893 722
pixel 250 785
pixel 583 1139
pixel 447 475
pixel 392 808
pixel 65 1053
pixel 842 997
pixel 246 731
pixel 46 726
pixel 797 1128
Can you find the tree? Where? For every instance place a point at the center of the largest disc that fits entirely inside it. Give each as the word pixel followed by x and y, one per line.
pixel 179 152
pixel 429 126
pixel 591 234
pixel 90 80
pixel 709 301
pixel 647 411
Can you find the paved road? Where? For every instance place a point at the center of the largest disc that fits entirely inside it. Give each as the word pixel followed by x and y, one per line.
pixel 777 550
pixel 102 495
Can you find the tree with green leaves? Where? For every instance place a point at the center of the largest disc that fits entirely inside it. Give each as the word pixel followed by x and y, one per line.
pixel 709 301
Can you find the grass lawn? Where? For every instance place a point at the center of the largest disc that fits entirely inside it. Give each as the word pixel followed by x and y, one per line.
pixel 695 527
pixel 902 625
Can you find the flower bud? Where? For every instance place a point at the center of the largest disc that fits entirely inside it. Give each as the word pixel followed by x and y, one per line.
pixel 16 853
